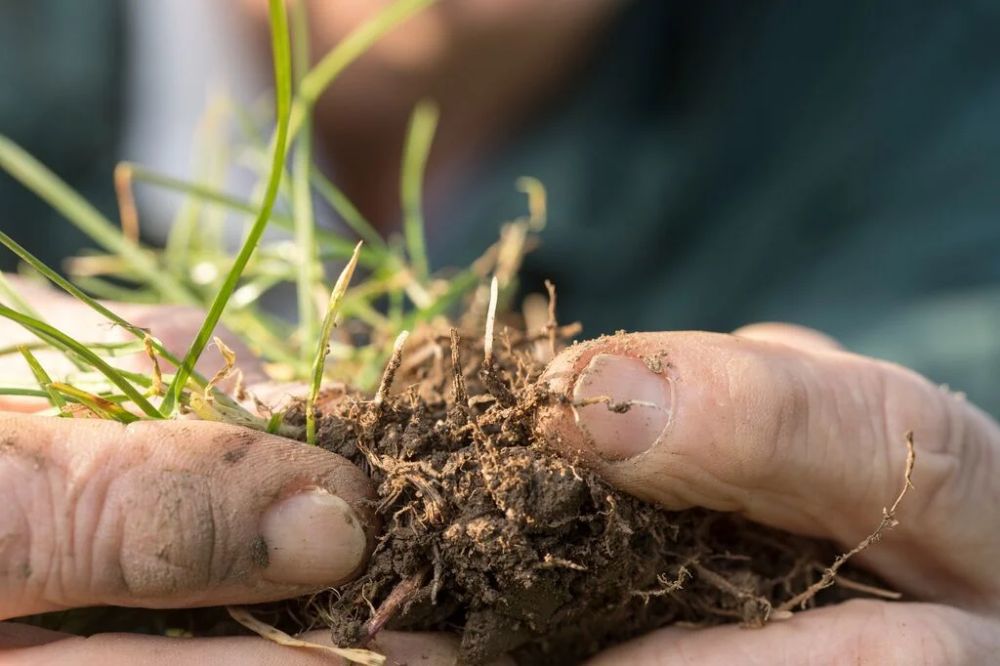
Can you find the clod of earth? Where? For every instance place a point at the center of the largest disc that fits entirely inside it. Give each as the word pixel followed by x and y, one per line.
pixel 489 533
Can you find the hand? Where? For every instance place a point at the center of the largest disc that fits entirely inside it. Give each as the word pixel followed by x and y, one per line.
pixel 166 515
pixel 782 426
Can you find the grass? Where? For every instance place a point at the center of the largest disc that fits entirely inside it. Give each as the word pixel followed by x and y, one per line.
pixel 302 196
pixel 423 123
pixel 60 340
pixel 400 290
pixel 281 52
pixel 43 379
pixel 323 347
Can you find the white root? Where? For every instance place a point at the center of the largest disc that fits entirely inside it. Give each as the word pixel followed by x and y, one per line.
pixel 390 370
pixel 275 635
pixel 491 317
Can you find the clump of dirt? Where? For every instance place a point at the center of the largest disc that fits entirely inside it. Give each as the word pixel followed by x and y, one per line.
pixel 489 533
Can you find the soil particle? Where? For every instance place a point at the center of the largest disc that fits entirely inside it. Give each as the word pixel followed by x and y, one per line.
pixel 258 553
pixel 234 455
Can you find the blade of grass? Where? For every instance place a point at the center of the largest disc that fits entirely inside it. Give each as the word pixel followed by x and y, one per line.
pixel 108 348
pixel 14 298
pixel 338 247
pixel 95 403
pixel 347 212
pixel 302 205
pixel 283 91
pixel 210 149
pixel 319 360
pixel 109 291
pixel 419 137
pixel 36 177
pixel 78 294
pixel 23 392
pixel 347 51
pixel 21 305
pixel 274 423
pixel 43 379
pixel 63 341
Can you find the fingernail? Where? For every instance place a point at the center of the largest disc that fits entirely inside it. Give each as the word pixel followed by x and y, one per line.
pixel 630 405
pixel 313 538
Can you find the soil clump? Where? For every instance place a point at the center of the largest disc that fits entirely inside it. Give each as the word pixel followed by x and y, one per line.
pixel 489 533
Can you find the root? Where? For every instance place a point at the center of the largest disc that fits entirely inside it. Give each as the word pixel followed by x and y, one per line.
pixel 394 604
pixel 888 522
pixel 667 585
pixel 867 589
pixel 458 379
pixel 491 318
pixel 275 635
pixel 756 609
pixel 552 323
pixel 489 374
pixel 390 370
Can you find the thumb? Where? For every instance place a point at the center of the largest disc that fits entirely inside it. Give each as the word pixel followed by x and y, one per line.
pixel 169 514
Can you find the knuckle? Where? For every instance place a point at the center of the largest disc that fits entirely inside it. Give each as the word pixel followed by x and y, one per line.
pixel 770 408
pixel 168 541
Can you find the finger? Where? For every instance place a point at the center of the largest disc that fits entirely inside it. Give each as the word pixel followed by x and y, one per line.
pixel 810 442
pixel 791 335
pixel 127 649
pixel 168 514
pixel 856 632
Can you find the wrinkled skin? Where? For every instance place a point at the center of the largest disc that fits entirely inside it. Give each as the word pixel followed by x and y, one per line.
pixel 774 422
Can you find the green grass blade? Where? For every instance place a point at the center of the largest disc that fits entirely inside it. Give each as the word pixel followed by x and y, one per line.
pixel 78 294
pixel 36 177
pixel 43 379
pixel 23 392
pixel 63 341
pixel 274 423
pixel 100 406
pixel 334 245
pixel 110 291
pixel 419 137
pixel 347 212
pixel 323 348
pixel 347 51
pixel 15 299
pixel 308 269
pixel 108 348
pixel 283 92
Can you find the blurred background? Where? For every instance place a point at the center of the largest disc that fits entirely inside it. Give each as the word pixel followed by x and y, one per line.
pixel 709 164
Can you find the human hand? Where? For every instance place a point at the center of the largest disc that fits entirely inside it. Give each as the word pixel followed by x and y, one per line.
pixel 781 425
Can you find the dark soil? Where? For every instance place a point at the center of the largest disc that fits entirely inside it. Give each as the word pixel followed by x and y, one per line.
pixel 490 534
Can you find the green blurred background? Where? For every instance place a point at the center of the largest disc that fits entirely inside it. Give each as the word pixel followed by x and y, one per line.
pixel 711 164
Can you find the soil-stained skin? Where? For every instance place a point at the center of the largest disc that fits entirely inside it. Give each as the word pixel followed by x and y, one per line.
pixel 490 533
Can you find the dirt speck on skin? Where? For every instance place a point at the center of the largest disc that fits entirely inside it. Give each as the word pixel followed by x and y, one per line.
pixel 490 534
pixel 234 455
pixel 258 553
